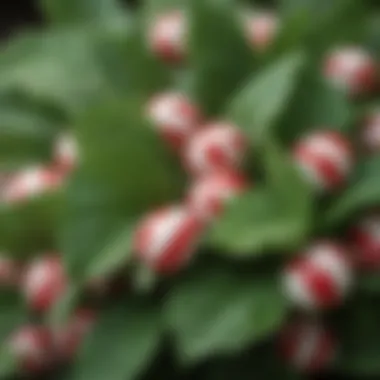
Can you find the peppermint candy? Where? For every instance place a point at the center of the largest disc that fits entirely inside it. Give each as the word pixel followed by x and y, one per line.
pixel 166 239
pixel 44 282
pixel 371 132
pixel 66 152
pixel 320 278
pixel 30 183
pixel 261 28
pixel 31 346
pixel 325 159
pixel 365 240
pixel 307 345
pixel 351 69
pixel 208 195
pixel 167 37
pixel 218 146
pixel 174 116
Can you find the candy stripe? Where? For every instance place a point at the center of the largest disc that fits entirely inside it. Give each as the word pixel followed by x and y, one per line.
pixel 216 147
pixel 208 195
pixel 307 345
pixel 320 278
pixel 166 239
pixel 324 158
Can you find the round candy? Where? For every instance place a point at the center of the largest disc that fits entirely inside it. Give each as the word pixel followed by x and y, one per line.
pixel 365 240
pixel 320 278
pixel 166 239
pixel 371 131
pixel 32 348
pixel 69 338
pixel 66 152
pixel 29 183
pixel 167 36
pixel 174 116
pixel 261 29
pixel 208 195
pixel 44 282
pixel 219 146
pixel 325 158
pixel 352 69
pixel 307 346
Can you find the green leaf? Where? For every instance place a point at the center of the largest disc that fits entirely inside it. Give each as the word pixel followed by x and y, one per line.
pixel 122 150
pixel 122 345
pixel 154 7
pixel 215 312
pixel 290 34
pixel 258 105
pixel 359 334
pixel 57 67
pixel 330 22
pixel 117 253
pixel 31 226
pixel 8 363
pixel 93 214
pixel 257 223
pixel 143 279
pixel 285 179
pixel 13 315
pixel 260 362
pixel 373 39
pixel 127 170
pixel 219 55
pixel 314 104
pixel 369 282
pixel 72 68
pixel 362 193
pixel 80 11
pixel 267 218
pixel 126 62
pixel 316 7
pixel 61 311
pixel 26 134
pixel 12 312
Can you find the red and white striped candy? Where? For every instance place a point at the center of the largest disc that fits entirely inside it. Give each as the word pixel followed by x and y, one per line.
pixel 219 146
pixel 307 346
pixel 29 183
pixel 174 116
pixel 32 346
pixel 208 195
pixel 167 36
pixel 365 240
pixel 352 69
pixel 9 271
pixel 166 239
pixel 320 279
pixel 69 338
pixel 325 158
pixel 44 282
pixel 261 29
pixel 371 132
pixel 66 152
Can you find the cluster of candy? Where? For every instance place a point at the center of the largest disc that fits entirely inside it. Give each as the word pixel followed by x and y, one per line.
pixel 43 281
pixel 212 152
pixel 36 180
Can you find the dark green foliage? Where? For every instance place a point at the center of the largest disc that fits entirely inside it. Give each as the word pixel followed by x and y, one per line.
pixel 90 72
